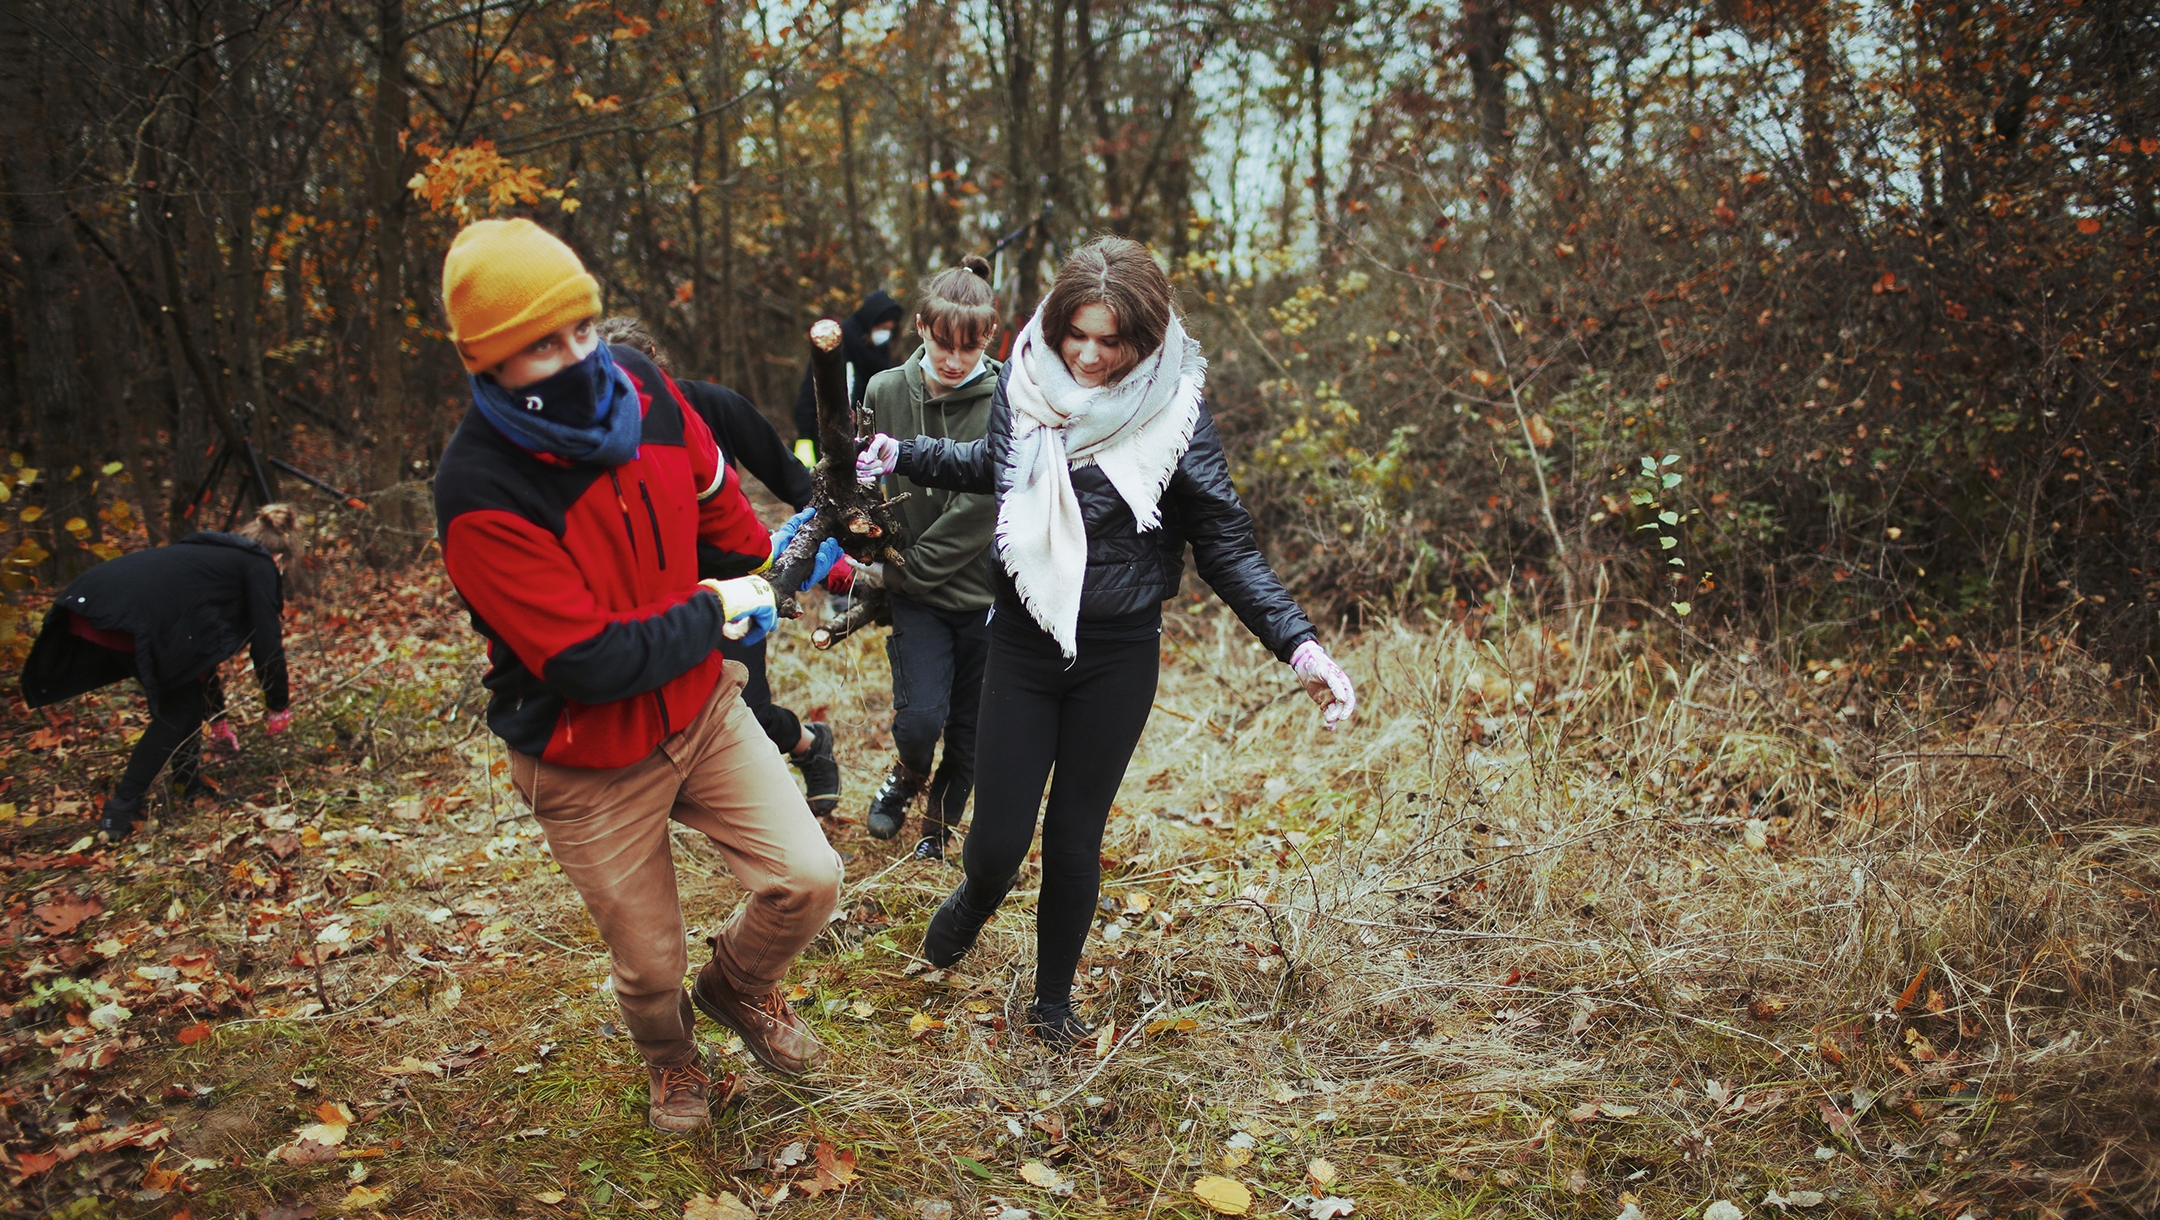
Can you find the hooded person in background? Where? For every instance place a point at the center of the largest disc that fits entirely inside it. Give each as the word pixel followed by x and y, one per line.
pixel 751 443
pixel 168 617
pixel 866 340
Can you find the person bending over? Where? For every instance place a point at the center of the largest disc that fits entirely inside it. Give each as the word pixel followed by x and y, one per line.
pixel 751 443
pixel 573 505
pixel 1105 466
pixel 940 592
pixel 168 617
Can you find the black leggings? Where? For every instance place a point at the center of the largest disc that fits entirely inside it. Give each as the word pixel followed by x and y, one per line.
pixel 937 676
pixel 780 724
pixel 1084 717
pixel 174 733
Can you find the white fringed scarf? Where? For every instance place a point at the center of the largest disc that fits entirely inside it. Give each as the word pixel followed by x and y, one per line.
pixel 1136 430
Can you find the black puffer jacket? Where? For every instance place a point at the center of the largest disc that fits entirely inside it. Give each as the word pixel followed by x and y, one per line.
pixel 189 606
pixel 1128 570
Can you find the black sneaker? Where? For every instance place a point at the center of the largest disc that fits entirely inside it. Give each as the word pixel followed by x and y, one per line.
pixel 931 848
pixel 889 808
pixel 117 820
pixel 957 922
pixel 1057 1026
pixel 820 770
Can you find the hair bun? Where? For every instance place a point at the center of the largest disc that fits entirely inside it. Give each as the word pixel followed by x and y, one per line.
pixel 977 264
pixel 279 517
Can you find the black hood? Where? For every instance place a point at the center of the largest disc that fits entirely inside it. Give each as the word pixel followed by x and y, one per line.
pixel 876 308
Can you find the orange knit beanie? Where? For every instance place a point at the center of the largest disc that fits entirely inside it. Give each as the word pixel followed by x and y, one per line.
pixel 508 282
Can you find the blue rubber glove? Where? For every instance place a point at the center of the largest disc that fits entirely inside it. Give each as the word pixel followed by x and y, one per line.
pixel 828 554
pixel 786 533
pixel 746 604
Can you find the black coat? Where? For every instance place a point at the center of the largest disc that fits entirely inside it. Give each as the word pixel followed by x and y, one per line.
pixel 749 441
pixel 867 359
pixel 189 606
pixel 1129 570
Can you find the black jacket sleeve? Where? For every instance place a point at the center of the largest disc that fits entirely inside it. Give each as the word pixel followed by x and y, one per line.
pixel 970 466
pixel 747 438
pixel 266 641
pixel 936 461
pixel 631 657
pixel 1228 555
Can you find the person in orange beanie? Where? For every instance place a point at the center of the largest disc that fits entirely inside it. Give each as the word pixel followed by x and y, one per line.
pixel 576 504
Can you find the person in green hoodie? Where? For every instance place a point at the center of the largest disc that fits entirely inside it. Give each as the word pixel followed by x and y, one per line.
pixel 941 591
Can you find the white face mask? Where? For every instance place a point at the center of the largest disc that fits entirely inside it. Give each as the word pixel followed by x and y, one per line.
pixel 973 371
pixel 881 336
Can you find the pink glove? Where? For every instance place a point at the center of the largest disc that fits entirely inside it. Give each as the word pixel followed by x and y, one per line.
pixel 842 577
pixel 278 722
pixel 880 457
pixel 223 736
pixel 1325 681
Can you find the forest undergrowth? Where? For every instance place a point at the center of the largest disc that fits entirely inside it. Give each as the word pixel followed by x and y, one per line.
pixel 1575 918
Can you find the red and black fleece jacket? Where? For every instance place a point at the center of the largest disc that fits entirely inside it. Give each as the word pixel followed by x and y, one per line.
pixel 584 579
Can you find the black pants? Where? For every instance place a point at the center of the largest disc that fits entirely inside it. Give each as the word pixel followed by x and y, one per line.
pixel 937 673
pixel 174 734
pixel 779 723
pixel 1082 717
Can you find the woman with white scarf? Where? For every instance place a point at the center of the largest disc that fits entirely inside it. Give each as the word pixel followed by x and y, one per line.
pixel 1105 465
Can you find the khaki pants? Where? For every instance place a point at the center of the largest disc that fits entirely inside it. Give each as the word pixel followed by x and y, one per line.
pixel 609 832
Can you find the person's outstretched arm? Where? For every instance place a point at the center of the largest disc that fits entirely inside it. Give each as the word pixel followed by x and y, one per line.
pixel 266 642
pixel 935 461
pixel 1227 553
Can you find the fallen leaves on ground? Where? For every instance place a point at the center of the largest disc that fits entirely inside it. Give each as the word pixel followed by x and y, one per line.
pixel 411 1066
pixel 1225 1195
pixel 63 916
pixel 360 1198
pixel 150 1134
pixel 724 1206
pixel 1042 1176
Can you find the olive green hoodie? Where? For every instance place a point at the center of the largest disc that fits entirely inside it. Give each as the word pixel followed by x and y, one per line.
pixel 949 533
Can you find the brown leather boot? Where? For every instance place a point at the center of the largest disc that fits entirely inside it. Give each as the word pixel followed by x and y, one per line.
pixel 679 1098
pixel 767 1026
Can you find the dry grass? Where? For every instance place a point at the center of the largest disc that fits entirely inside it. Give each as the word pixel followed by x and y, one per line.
pixel 1502 949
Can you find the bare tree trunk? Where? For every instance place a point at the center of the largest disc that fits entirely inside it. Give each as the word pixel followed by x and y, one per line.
pixel 386 121
pixel 1052 152
pixel 1016 20
pixel 36 215
pixel 1817 141
pixel 1315 94
pixel 1107 139
pixel 730 350
pixel 1485 42
pixel 848 193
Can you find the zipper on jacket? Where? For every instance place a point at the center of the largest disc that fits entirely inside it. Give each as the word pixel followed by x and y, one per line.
pixel 667 729
pixel 659 550
pixel 628 530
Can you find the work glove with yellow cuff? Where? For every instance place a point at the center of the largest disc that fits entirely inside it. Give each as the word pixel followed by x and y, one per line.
pixel 746 603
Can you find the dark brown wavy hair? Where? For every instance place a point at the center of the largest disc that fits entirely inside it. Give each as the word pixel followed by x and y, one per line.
pixel 1119 274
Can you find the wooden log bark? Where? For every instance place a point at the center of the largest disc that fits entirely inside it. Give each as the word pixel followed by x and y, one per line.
pixel 866 526
pixel 868 608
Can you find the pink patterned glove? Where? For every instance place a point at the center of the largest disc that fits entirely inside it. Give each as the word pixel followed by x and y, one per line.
pixel 880 457
pixel 223 736
pixel 278 722
pixel 1325 681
